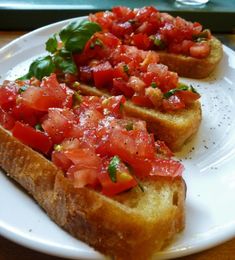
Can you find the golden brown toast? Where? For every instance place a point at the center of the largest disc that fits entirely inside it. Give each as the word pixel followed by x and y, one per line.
pixel 187 66
pixel 175 128
pixel 132 225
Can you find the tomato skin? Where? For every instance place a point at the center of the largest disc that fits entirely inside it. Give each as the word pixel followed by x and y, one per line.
pixel 82 177
pixel 173 103
pixel 110 188
pixel 103 74
pixel 8 96
pixel 121 29
pixel 49 94
pixel 158 167
pixel 142 101
pixel 113 104
pixel 200 50
pixel 123 13
pixel 6 120
pixel 142 41
pixel 188 97
pixel 58 124
pixel 26 114
pixel 121 85
pixel 31 137
pixel 60 160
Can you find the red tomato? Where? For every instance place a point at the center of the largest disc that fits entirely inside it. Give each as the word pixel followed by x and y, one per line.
pixel 163 149
pixel 131 144
pixel 82 176
pixel 172 103
pixel 58 124
pixel 49 94
pixel 142 101
pixel 85 74
pixel 121 29
pixel 141 41
pixel 6 120
pixel 157 167
pixel 113 104
pixel 187 97
pixel 123 13
pixel 104 19
pixel 120 86
pixel 26 114
pixel 200 50
pixel 60 160
pixel 124 179
pixel 8 94
pixel 103 75
pixel 37 140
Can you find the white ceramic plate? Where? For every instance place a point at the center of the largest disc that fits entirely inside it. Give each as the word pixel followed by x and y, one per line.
pixel 209 161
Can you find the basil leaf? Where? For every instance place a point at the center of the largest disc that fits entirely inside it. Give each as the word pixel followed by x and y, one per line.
pixel 40 68
pixel 52 44
pixel 65 63
pixel 174 90
pixel 22 89
pixel 76 34
pixel 38 127
pixel 112 168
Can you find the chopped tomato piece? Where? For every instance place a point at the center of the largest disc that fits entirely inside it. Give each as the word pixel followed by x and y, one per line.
pixel 142 41
pixel 113 104
pixel 8 95
pixel 58 124
pixel 37 140
pixel 49 94
pixel 187 96
pixel 6 120
pixel 121 29
pixel 60 160
pixel 121 86
pixel 142 101
pixel 124 180
pixel 200 50
pixel 172 103
pixel 103 75
pixel 82 176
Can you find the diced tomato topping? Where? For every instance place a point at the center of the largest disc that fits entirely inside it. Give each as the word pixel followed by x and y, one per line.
pixel 142 101
pixel 200 50
pixel 58 124
pixel 103 75
pixel 60 160
pixel 8 96
pixel 6 120
pixel 142 41
pixel 172 103
pixel 188 97
pixel 121 29
pixel 113 104
pixel 120 86
pixel 49 94
pixel 124 180
pixel 38 140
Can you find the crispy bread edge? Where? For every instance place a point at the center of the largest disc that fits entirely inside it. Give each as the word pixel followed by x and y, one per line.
pixel 191 67
pixel 106 224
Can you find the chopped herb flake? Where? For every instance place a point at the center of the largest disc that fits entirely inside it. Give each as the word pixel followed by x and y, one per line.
pixel 112 168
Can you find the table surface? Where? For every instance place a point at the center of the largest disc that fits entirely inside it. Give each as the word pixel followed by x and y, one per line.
pixel 12 251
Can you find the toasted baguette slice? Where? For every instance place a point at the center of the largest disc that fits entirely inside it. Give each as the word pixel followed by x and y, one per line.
pixel 132 225
pixel 175 128
pixel 190 67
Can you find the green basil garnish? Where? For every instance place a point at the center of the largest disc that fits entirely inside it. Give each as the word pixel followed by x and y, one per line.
pixel 22 89
pixel 181 87
pixel 112 168
pixel 74 38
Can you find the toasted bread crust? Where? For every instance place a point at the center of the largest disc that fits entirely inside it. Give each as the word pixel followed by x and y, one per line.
pixel 175 128
pixel 190 67
pixel 125 226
